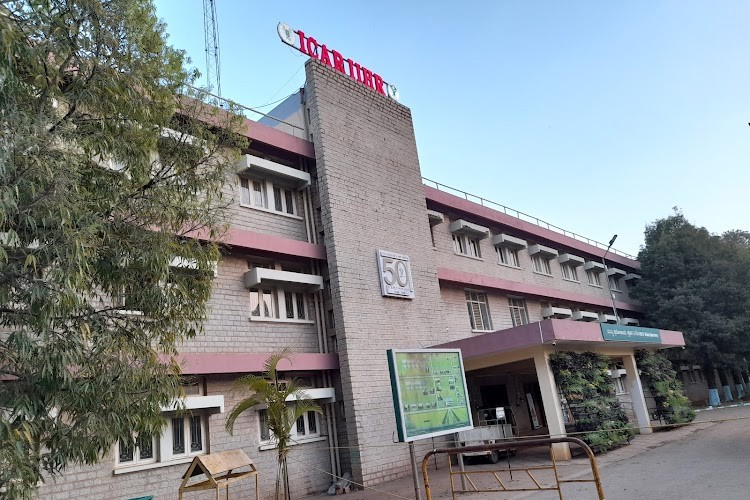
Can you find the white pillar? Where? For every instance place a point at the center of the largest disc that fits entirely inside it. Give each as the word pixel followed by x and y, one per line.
pixel 636 393
pixel 551 403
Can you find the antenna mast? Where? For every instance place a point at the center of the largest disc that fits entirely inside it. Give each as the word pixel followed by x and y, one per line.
pixel 211 34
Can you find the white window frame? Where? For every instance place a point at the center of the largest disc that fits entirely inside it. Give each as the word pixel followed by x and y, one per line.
pixel 248 193
pixel 300 309
pixel 614 284
pixel 519 313
pixel 619 386
pixel 307 429
pixel 120 303
pixel 507 256
pixel 569 272
pixel 593 278
pixel 137 460
pixel 541 264
pixel 278 306
pixel 187 435
pixel 163 445
pixel 275 198
pixel 266 438
pixel 478 307
pixel 467 246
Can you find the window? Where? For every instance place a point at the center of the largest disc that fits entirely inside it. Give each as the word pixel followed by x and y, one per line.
pixel 276 304
pixel 479 313
pixel 140 452
pixel 614 284
pixel 619 385
pixel 187 435
pixel 265 195
pixel 593 277
pixel 184 437
pixel 507 256
pixel 128 301
pixel 569 272
pixel 284 200
pixel 265 432
pixel 295 305
pixel 253 193
pixel 306 427
pixel 263 304
pixel 541 264
pixel 466 245
pixel 518 313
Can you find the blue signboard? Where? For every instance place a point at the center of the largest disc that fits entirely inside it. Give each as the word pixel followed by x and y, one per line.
pixel 621 333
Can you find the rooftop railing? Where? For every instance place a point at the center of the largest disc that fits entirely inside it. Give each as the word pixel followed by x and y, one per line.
pixel 521 215
pixel 297 131
pixel 247 112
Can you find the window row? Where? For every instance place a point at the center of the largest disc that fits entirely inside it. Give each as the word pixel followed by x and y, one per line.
pixel 467 236
pixel 480 318
pixel 263 194
pixel 479 311
pixel 271 185
pixel 278 304
pixel 280 291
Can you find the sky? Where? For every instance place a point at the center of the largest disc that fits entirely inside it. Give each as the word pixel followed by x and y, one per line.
pixel 598 117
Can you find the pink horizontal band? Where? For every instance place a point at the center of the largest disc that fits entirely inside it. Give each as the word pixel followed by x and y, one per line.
pixel 562 331
pixel 251 240
pixel 278 138
pixel 205 363
pixel 270 243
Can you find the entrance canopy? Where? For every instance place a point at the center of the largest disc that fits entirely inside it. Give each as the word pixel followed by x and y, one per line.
pixel 564 333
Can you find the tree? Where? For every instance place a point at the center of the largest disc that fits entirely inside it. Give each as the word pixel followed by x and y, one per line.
pixel 698 283
pixel 267 389
pixel 98 191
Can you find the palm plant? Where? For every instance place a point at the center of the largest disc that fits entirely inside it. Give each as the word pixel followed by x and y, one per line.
pixel 285 401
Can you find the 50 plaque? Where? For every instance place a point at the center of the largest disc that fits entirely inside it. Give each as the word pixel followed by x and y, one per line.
pixel 395 275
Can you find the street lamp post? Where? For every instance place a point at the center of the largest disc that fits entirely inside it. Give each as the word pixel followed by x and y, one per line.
pixel 611 295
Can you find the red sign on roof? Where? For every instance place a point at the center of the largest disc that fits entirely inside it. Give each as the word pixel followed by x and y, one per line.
pixel 333 58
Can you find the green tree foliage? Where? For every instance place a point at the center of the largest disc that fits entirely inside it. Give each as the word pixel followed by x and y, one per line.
pixel 268 390
pixel 96 197
pixel 583 380
pixel 666 389
pixel 698 283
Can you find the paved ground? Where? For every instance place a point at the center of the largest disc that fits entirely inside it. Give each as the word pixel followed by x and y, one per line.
pixel 706 460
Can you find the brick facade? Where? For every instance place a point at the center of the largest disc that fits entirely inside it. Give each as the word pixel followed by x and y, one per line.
pixel 370 191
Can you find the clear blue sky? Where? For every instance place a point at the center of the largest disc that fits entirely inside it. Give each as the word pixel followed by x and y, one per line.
pixel 596 116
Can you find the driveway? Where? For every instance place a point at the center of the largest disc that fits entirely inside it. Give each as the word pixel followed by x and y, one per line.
pixel 705 460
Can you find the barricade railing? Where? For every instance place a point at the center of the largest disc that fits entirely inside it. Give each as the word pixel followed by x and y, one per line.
pixel 501 485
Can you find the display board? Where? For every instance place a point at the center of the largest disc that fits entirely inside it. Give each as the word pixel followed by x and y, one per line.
pixel 429 392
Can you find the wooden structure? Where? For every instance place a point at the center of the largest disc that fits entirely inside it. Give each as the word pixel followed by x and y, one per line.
pixel 220 471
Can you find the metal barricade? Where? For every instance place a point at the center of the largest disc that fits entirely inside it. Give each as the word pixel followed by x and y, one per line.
pixel 501 485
